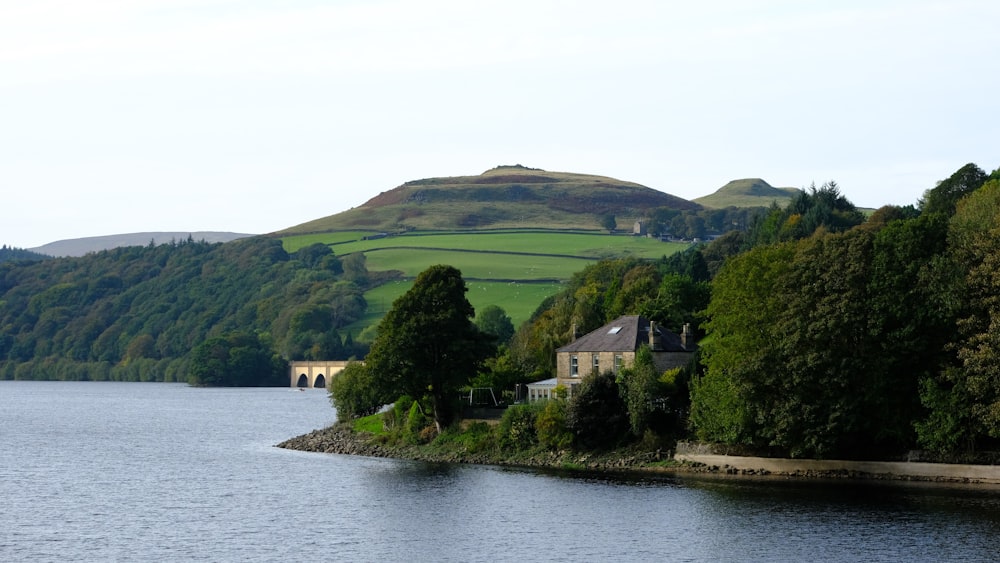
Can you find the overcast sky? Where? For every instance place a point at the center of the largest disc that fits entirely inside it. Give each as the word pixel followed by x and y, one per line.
pixel 121 116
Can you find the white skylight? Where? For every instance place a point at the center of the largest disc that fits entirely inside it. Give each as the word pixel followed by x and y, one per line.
pixel 614 330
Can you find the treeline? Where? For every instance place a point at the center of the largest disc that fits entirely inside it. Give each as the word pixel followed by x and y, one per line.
pixel 138 313
pixel 693 224
pixel 825 333
pixel 12 254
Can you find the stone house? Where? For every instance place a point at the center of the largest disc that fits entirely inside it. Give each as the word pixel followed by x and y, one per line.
pixel 613 347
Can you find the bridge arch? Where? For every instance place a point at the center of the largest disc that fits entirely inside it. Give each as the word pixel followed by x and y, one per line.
pixel 314 374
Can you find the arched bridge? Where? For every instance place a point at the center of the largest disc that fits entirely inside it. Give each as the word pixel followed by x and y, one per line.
pixel 313 374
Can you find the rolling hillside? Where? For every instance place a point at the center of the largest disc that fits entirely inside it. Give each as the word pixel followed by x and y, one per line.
pixel 748 192
pixel 515 269
pixel 506 197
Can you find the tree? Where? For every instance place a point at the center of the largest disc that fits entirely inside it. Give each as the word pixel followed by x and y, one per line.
pixel 730 402
pixel 493 320
pixel 354 393
pixel 313 254
pixel 427 344
pixel 596 414
pixel 609 222
pixel 943 197
pixel 964 400
pixel 237 359
pixel 640 385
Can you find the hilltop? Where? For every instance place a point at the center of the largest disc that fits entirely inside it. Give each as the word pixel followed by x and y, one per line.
pixel 747 192
pixel 501 198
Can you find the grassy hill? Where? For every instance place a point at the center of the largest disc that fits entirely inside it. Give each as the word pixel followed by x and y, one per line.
pixel 505 197
pixel 748 192
pixel 515 269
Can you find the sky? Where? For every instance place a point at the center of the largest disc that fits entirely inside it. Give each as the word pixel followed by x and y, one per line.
pixel 121 116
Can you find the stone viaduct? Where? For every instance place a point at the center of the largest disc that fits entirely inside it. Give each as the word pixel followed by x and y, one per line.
pixel 313 374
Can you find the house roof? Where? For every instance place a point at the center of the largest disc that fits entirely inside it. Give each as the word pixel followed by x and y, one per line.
pixel 543 383
pixel 624 334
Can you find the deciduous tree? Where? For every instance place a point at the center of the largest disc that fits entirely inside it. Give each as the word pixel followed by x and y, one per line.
pixel 427 344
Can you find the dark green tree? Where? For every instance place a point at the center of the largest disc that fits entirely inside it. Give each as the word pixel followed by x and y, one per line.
pixel 596 414
pixel 427 344
pixel 731 401
pixel 354 393
pixel 609 222
pixel 964 400
pixel 640 387
pixel 943 197
pixel 313 254
pixel 237 359
pixel 493 320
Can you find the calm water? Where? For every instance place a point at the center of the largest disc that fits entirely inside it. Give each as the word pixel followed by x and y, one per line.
pixel 142 472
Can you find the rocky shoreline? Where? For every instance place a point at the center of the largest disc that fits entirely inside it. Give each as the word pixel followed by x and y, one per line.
pixel 342 439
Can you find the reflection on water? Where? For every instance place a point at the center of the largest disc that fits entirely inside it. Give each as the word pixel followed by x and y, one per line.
pixel 98 471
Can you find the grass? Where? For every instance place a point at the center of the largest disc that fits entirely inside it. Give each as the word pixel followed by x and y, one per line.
pixel 371 424
pixel 592 245
pixel 483 266
pixel 514 269
pixel 293 244
pixel 519 300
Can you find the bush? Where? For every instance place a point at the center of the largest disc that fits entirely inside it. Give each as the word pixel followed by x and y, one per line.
pixel 517 427
pixel 395 418
pixel 550 426
pixel 417 424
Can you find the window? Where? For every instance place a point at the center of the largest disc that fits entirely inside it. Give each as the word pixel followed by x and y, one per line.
pixel 618 362
pixel 574 368
pixel 596 359
pixel 615 330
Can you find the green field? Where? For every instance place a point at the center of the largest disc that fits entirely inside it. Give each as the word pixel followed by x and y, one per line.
pixel 519 300
pixel 515 269
pixel 592 245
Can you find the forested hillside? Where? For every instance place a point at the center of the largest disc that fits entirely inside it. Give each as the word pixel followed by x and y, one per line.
pixel 137 313
pixel 825 334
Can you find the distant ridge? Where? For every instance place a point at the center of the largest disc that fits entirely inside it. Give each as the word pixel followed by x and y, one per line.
pixel 747 192
pixel 505 197
pixel 81 246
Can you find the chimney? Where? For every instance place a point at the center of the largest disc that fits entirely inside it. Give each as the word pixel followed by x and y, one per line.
pixel 654 337
pixel 687 338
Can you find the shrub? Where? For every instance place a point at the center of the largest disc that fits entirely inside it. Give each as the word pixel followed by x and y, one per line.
pixel 517 427
pixel 550 426
pixel 416 426
pixel 395 418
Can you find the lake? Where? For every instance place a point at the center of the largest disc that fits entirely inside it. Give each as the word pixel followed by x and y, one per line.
pixel 166 472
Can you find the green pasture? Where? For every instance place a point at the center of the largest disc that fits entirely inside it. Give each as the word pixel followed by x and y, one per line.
pixel 481 265
pixel 519 300
pixel 585 245
pixel 294 243
pixel 496 264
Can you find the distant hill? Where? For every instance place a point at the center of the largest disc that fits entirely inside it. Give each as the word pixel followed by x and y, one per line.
pixel 81 246
pixel 748 192
pixel 504 197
